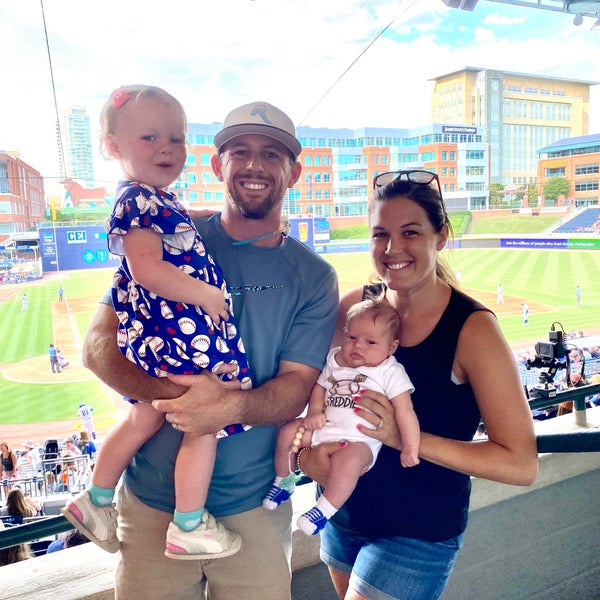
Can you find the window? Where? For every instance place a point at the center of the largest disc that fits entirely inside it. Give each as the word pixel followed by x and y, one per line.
pixel 586 169
pixel 584 186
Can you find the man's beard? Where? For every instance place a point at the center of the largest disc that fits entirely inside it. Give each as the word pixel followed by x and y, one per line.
pixel 256 211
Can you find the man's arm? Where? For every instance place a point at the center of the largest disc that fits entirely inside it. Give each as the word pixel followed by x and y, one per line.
pixel 102 356
pixel 210 404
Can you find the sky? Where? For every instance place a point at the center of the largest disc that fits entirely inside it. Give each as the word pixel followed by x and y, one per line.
pixel 334 63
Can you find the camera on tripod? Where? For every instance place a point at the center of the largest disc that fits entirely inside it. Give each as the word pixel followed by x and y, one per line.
pixel 551 355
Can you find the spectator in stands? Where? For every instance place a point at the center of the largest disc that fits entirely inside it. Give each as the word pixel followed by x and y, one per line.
pixel 67 540
pixel 51 483
pixel 9 462
pixel 34 458
pixel 85 444
pixel 14 554
pixel 69 448
pixel 17 503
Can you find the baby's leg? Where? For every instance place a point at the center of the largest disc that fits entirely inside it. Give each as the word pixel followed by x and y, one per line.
pixel 284 483
pixel 347 465
pixel 285 439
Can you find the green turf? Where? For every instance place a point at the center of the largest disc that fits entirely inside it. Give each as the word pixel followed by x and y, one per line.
pixel 513 224
pixel 545 277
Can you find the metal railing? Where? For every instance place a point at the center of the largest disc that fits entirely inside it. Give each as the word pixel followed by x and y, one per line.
pixel 54 476
pixel 576 441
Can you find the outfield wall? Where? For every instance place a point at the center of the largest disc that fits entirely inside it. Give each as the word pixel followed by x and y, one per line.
pixel 470 242
pixel 75 247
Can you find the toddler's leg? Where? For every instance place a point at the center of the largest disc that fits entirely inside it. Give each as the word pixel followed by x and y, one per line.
pixel 194 534
pixel 92 511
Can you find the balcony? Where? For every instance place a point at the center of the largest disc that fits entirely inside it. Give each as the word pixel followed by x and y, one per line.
pixel 522 542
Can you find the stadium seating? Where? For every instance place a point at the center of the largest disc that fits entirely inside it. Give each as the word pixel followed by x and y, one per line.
pixel 587 221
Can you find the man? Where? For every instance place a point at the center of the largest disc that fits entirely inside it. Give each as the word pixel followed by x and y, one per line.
pixel 24 303
pixel 54 364
pixel 84 412
pixel 285 300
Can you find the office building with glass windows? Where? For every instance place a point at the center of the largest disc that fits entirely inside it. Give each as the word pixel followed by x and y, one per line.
pixel 518 114
pixel 577 159
pixel 338 166
pixel 78 148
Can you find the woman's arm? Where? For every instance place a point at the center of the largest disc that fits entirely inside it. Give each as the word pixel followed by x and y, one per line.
pixel 144 253
pixel 509 455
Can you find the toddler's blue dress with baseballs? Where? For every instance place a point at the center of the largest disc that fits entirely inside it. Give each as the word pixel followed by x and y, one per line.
pixel 163 335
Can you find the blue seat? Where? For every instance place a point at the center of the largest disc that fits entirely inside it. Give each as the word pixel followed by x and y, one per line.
pixel 12 519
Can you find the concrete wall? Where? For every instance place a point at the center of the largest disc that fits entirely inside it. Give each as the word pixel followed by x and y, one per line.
pixel 536 542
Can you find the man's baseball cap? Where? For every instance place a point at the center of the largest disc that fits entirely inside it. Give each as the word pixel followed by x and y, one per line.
pixel 259 118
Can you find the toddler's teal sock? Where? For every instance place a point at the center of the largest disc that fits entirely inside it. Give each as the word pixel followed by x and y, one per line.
pixel 186 521
pixel 101 496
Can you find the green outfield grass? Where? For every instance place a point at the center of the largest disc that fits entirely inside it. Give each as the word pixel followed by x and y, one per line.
pixel 546 279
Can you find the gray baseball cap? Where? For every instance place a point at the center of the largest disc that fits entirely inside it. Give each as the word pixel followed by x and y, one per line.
pixel 259 118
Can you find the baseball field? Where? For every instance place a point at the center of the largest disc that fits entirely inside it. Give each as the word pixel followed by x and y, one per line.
pixel 38 404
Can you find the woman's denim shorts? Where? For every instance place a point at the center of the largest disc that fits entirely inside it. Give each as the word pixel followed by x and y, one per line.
pixel 390 568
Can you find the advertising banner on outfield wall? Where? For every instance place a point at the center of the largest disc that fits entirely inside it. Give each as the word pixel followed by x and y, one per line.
pixel 550 244
pixel 75 247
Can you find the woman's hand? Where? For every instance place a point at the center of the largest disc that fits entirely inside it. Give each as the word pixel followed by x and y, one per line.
pixel 378 410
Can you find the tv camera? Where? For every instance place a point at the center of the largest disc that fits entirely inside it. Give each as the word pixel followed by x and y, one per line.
pixel 552 355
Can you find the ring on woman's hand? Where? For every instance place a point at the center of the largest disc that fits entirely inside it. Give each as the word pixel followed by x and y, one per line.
pixel 379 425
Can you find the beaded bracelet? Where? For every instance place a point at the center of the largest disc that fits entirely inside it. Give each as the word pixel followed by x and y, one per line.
pixel 298 459
pixel 297 439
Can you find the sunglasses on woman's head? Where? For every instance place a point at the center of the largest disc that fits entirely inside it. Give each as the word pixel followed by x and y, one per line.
pixel 414 176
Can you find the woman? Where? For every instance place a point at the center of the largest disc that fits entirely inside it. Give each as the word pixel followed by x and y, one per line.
pixel 399 533
pixel 9 461
pixel 18 504
pixel 14 554
pixel 85 444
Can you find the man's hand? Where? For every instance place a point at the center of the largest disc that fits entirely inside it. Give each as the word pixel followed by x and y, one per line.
pixel 207 406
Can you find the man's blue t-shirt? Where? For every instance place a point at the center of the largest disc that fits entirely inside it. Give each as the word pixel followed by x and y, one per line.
pixel 285 300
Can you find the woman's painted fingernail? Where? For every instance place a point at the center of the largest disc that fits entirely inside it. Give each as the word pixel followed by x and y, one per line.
pixel 343 444
pixel 357 409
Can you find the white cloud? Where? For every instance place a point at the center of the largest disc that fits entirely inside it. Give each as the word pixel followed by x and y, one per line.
pixel 497 19
pixel 216 55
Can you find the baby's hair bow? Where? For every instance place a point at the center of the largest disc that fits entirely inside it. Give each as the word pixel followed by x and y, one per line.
pixel 119 97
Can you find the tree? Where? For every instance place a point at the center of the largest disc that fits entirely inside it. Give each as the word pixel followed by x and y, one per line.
pixel 533 195
pixel 555 187
pixel 496 195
